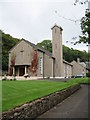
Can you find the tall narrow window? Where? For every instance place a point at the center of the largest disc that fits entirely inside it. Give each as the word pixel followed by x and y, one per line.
pixel 41 66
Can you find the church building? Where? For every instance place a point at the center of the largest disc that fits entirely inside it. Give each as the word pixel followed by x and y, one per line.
pixel 26 58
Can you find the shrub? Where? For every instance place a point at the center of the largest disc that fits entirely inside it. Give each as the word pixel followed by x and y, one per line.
pixel 88 74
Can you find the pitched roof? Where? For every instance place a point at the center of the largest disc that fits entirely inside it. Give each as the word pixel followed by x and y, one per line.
pixel 67 62
pixel 39 49
pixel 57 26
pixel 77 63
pixel 35 46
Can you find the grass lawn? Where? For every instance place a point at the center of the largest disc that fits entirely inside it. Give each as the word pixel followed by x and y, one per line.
pixel 80 80
pixel 15 93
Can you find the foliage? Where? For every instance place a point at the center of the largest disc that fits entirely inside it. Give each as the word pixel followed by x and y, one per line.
pixel 7 43
pixel 34 62
pixel 13 57
pixel 72 54
pixel 80 2
pixel 85 24
pixel 46 44
pixel 68 54
pixel 85 27
pixel 88 74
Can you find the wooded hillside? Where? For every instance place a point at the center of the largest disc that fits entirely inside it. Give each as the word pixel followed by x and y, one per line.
pixel 68 54
pixel 7 43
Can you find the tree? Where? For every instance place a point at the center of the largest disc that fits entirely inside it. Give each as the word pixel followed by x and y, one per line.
pixel 46 44
pixel 85 24
pixel 85 27
pixel 80 2
pixel 7 43
pixel 68 54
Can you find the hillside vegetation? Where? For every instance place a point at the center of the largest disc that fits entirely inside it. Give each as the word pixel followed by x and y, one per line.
pixel 7 43
pixel 68 54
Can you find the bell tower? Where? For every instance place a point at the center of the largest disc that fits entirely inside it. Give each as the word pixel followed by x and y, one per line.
pixel 57 50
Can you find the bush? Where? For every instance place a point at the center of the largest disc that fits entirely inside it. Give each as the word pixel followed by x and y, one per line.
pixel 88 74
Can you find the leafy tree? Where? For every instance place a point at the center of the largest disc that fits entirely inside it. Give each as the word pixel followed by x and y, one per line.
pixel 7 43
pixel 85 27
pixel 80 2
pixel 68 54
pixel 85 23
pixel 46 44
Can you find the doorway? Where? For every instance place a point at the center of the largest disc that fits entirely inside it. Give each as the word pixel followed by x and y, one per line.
pixel 21 71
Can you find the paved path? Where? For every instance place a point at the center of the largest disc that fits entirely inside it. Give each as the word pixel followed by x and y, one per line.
pixel 75 106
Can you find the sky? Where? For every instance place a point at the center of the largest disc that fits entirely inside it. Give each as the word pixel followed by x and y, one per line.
pixel 33 19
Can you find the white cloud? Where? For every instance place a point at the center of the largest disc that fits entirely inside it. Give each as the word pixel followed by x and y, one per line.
pixel 32 20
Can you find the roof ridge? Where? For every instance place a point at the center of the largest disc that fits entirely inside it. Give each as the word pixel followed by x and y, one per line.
pixel 39 48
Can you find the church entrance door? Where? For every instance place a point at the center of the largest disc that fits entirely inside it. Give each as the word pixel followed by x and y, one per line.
pixel 21 71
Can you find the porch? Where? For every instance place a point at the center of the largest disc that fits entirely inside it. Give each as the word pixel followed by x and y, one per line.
pixel 20 70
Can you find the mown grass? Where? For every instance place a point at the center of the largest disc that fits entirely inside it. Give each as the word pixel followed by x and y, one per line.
pixel 15 93
pixel 80 80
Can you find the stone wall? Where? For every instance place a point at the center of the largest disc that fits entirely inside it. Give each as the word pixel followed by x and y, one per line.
pixel 39 106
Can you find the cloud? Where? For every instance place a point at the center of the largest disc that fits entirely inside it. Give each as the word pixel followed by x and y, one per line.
pixel 33 20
